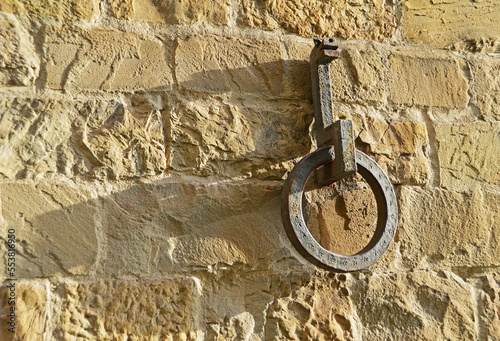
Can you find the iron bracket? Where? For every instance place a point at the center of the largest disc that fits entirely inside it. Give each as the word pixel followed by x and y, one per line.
pixel 335 159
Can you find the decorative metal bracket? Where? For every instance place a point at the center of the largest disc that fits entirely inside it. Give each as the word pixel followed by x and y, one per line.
pixel 335 159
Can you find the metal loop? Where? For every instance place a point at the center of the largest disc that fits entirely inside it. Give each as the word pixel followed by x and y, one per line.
pixel 302 238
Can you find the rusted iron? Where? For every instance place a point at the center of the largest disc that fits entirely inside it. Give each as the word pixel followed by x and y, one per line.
pixel 336 159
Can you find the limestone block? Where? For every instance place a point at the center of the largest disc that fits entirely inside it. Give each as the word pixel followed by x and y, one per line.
pixel 368 71
pixel 125 141
pixel 185 12
pixel 104 59
pixel 294 305
pixel 489 305
pixel 19 64
pixel 306 306
pixel 427 79
pixel 34 136
pixel 226 64
pixel 342 221
pixel 55 228
pixel 444 23
pixel 180 225
pixel 211 137
pixel 418 305
pixel 468 154
pixel 398 147
pixel 447 228
pixel 42 137
pixel 59 9
pixel 371 73
pixel 162 309
pixel 298 70
pixel 30 310
pixel 486 73
pixel 363 20
pixel 359 75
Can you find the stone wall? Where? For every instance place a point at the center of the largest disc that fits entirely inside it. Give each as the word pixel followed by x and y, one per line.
pixel 144 144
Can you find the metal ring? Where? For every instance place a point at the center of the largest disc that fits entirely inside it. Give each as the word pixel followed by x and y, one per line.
pixel 302 238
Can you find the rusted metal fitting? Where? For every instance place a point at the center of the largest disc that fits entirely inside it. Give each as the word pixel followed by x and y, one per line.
pixel 301 237
pixel 336 159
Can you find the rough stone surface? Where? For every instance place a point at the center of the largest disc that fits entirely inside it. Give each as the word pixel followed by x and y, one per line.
pixel 293 306
pixel 374 73
pixel 212 137
pixel 342 219
pixel 400 148
pixel 468 154
pixel 183 12
pixel 463 24
pixel 424 79
pixel 144 144
pixel 220 65
pixel 104 59
pixel 59 9
pixel 126 140
pixel 43 137
pixel 369 20
pixel 30 309
pixel 119 310
pixel 489 303
pixel 486 92
pixel 447 227
pixel 55 228
pixel 416 305
pixel 31 133
pixel 19 64
pixel 188 225
pixel 298 69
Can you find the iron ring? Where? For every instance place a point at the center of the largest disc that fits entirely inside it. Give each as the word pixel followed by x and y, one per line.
pixel 301 237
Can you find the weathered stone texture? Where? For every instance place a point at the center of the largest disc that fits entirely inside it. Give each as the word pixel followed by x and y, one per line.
pixel 55 228
pixel 364 20
pixel 144 143
pixel 360 75
pixel 398 147
pixel 442 227
pixel 298 70
pixel 59 9
pixel 486 77
pixel 32 133
pixel 220 65
pixel 104 59
pixel 120 310
pixel 184 12
pixel 374 74
pixel 341 217
pixel 42 137
pixel 290 306
pixel 489 305
pixel 19 64
pixel 424 79
pixel 417 305
pixel 446 23
pixel 211 137
pixel 30 309
pixel 125 141
pixel 468 154
pixel 189 225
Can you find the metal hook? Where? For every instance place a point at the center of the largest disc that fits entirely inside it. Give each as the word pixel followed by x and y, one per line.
pixel 335 160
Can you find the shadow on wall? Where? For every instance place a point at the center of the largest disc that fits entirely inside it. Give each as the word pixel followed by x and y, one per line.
pixel 283 79
pixel 149 230
pixel 202 133
pixel 68 229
